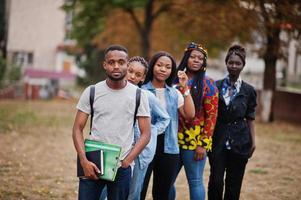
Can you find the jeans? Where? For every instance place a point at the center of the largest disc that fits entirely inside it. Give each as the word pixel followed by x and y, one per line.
pixel 135 185
pixel 231 164
pixel 117 190
pixel 137 181
pixel 194 174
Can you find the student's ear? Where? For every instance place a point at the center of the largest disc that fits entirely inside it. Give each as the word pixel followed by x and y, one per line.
pixel 104 65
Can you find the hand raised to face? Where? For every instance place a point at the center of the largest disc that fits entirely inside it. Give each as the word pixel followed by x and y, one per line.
pixel 183 79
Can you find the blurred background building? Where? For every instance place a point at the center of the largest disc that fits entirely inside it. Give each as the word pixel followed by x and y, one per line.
pixel 36 42
pixel 49 46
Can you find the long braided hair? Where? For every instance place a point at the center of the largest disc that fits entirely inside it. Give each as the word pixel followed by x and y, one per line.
pixel 197 82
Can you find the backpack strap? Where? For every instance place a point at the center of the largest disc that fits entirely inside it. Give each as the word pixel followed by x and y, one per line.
pixel 92 94
pixel 138 97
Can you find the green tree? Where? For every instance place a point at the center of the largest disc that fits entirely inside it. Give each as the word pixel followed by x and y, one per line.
pixel 14 73
pixel 90 16
pixel 89 20
pixel 91 63
pixel 98 22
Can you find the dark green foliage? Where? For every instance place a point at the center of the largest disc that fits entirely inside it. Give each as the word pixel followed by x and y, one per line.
pixel 92 65
pixel 14 73
pixel 89 16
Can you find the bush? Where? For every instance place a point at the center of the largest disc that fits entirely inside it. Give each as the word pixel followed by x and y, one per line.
pixel 14 73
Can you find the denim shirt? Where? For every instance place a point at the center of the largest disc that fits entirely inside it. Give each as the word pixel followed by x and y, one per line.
pixel 159 121
pixel 171 138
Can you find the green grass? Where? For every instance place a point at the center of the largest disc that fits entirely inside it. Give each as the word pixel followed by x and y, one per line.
pixel 16 118
pixel 258 171
pixel 12 195
pixel 288 179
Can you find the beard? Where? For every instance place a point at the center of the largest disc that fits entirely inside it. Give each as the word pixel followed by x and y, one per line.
pixel 116 78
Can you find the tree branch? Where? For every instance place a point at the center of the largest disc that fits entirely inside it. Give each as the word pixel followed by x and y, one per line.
pixel 134 17
pixel 264 13
pixel 163 8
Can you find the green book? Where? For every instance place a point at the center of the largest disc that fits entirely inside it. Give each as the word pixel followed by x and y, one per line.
pixel 111 155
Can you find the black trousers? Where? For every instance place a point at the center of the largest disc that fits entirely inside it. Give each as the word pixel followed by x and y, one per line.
pixel 164 168
pixel 233 166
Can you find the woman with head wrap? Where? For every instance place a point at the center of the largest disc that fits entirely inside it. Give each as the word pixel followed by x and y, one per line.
pixel 234 136
pixel 194 136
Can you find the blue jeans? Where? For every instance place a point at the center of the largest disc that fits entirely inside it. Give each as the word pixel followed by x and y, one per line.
pixel 194 174
pixel 135 185
pixel 137 181
pixel 117 190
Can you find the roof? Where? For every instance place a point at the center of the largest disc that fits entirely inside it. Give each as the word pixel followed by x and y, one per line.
pixel 37 73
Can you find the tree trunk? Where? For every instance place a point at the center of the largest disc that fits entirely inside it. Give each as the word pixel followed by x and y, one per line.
pixel 145 44
pixel 145 34
pixel 3 29
pixel 269 82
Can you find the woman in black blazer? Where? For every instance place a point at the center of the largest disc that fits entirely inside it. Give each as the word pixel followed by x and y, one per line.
pixel 234 136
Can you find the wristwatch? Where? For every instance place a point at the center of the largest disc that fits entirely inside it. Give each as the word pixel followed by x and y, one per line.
pixel 186 93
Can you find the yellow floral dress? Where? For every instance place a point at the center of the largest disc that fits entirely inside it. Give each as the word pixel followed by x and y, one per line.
pixel 198 132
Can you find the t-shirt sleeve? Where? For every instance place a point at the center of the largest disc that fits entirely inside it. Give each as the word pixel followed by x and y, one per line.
pixel 143 110
pixel 180 99
pixel 84 102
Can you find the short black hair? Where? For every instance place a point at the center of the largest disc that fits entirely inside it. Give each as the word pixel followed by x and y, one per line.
pixel 114 47
pixel 152 62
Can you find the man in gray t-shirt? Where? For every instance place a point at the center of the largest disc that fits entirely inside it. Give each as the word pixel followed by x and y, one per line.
pixel 114 107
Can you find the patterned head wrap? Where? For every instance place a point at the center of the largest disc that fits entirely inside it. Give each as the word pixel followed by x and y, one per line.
pixel 194 46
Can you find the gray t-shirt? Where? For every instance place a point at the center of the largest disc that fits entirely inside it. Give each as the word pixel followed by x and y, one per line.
pixel 114 114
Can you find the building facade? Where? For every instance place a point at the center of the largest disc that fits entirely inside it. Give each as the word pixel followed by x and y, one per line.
pixel 36 31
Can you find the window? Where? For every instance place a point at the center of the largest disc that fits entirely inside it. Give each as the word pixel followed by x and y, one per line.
pixel 22 58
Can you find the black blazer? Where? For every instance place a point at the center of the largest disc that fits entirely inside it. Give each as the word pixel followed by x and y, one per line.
pixel 231 122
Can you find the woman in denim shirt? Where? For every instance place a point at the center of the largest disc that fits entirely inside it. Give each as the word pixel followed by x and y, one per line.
pixel 159 79
pixel 159 121
pixel 234 135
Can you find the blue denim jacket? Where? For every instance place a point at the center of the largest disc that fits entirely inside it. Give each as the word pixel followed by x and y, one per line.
pixel 159 121
pixel 170 139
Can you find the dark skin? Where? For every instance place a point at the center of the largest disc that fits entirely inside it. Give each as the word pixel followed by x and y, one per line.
pixel 234 67
pixel 162 71
pixel 195 63
pixel 116 68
